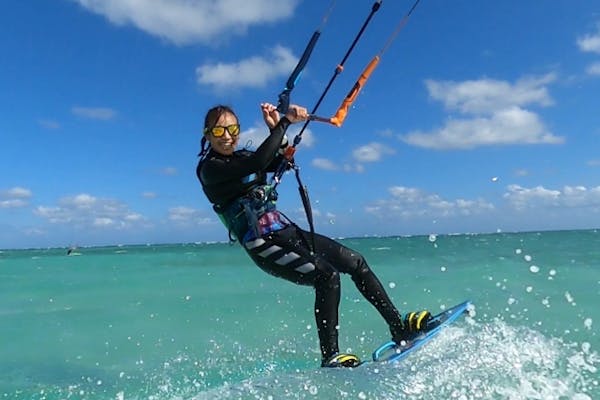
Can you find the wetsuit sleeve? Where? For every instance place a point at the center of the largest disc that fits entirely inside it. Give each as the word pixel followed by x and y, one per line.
pixel 219 170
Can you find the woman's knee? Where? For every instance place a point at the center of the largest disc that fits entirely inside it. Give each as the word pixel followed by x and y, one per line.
pixel 327 279
pixel 362 274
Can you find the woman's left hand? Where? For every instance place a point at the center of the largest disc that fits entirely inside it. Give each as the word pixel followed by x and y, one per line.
pixel 270 114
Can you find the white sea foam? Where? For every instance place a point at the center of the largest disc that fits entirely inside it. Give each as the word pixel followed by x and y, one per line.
pixel 492 360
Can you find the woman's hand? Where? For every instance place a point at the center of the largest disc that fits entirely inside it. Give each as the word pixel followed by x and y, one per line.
pixel 296 113
pixel 270 114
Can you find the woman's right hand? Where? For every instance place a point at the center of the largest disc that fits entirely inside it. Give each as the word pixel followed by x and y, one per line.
pixel 270 114
pixel 296 113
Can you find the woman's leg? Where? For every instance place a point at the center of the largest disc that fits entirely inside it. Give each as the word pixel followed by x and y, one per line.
pixel 327 302
pixel 285 254
pixel 348 261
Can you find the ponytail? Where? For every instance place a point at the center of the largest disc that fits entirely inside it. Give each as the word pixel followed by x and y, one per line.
pixel 204 148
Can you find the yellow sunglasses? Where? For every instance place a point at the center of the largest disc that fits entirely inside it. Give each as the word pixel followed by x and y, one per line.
pixel 218 131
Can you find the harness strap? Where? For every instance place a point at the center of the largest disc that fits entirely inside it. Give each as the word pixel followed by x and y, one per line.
pixel 252 215
pixel 307 207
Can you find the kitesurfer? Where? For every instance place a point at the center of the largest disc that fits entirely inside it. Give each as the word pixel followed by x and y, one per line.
pixel 235 182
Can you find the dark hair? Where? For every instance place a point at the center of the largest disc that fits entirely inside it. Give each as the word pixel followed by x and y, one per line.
pixel 213 115
pixel 210 120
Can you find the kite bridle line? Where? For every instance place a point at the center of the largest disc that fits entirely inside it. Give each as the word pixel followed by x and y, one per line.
pixel 338 118
pixel 283 105
pixel 284 97
pixel 290 150
pixel 341 113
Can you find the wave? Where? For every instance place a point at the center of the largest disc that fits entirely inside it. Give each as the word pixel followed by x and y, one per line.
pixel 480 361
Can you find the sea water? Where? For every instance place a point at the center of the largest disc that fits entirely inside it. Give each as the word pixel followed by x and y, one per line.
pixel 200 321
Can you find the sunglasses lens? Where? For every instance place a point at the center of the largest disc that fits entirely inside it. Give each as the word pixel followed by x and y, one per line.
pixel 233 130
pixel 218 131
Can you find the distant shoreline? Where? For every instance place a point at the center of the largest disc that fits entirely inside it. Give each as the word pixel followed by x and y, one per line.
pixel 209 243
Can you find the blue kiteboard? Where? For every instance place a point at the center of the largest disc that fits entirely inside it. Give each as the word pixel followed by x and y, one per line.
pixel 392 352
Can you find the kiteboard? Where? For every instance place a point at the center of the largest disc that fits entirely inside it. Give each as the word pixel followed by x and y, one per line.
pixel 392 352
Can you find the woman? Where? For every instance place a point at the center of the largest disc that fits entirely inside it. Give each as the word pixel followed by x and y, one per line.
pixel 235 182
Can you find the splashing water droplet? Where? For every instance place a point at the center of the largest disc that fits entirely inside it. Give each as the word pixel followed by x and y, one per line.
pixel 569 297
pixel 432 238
pixel 392 285
pixel 535 269
pixel 546 302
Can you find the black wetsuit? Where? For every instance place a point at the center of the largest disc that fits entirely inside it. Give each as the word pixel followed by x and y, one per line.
pixel 285 251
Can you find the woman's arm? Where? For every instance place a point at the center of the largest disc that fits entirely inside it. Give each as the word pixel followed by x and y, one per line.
pixel 220 169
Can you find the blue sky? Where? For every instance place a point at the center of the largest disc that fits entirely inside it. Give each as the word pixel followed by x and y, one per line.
pixel 481 116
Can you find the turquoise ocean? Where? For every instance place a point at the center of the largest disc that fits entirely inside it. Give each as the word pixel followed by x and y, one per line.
pixel 200 321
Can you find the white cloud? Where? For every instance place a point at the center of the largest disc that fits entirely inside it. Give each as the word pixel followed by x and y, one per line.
pixel 324 164
pixel 486 96
pixel 34 232
pixel 16 197
pixel 185 216
pixel 103 222
pixel 169 171
pixel 590 42
pixel 149 195
pixel 308 139
pixel 49 124
pixel 371 152
pixel 522 198
pixel 506 127
pixel 252 72
pixel 134 217
pixel 252 137
pixel 191 21
pixel 354 168
pixel 408 202
pixel 495 114
pixel 593 69
pixel 17 192
pixel 84 210
pixel 13 203
pixel 99 113
pixel 521 172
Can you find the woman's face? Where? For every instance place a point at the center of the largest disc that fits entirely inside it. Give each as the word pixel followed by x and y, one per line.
pixel 226 143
